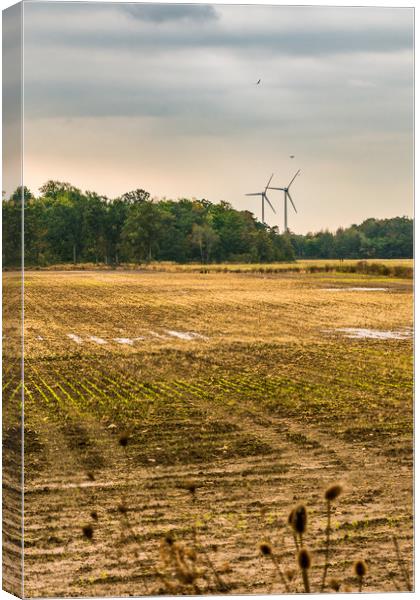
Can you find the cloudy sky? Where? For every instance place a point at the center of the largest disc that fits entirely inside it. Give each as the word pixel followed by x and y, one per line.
pixel 164 97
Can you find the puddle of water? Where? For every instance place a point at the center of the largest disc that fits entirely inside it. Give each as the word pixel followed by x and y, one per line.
pixel 75 485
pixel 376 334
pixel 75 338
pixel 97 340
pixel 356 289
pixel 185 335
pixel 182 335
pixel 158 335
pixel 128 341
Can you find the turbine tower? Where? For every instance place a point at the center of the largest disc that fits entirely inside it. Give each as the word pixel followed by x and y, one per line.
pixel 264 198
pixel 287 196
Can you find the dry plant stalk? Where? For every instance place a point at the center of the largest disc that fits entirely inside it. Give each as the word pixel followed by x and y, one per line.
pixel 304 562
pixel 267 550
pixel 222 586
pixel 331 494
pixel 298 520
pixel 181 561
pixel 401 564
pixel 360 570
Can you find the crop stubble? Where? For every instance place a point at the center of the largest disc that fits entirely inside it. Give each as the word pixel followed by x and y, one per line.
pixel 269 407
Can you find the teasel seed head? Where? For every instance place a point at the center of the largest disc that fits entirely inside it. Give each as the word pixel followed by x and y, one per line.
pixel 123 440
pixel 191 487
pixel 360 568
pixel 304 559
pixel 266 549
pixel 88 531
pixel 298 519
pixel 122 509
pixel 333 492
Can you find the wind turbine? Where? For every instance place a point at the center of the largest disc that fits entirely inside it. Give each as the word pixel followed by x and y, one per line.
pixel 264 197
pixel 287 196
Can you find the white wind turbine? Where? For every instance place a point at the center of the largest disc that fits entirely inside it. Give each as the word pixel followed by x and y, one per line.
pixel 264 198
pixel 287 197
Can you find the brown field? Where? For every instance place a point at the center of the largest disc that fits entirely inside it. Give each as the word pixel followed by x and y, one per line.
pixel 240 383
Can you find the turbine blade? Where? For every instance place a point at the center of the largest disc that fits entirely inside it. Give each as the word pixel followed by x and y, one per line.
pixel 269 181
pixel 274 188
pixel 256 194
pixel 296 174
pixel 272 207
pixel 290 198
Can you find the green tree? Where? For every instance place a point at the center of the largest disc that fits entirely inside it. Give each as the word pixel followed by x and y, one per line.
pixel 12 232
pixel 143 229
pixel 17 194
pixel 205 238
pixel 54 189
pixel 64 224
pixel 135 196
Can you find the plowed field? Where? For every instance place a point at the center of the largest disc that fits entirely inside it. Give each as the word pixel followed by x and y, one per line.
pixel 239 395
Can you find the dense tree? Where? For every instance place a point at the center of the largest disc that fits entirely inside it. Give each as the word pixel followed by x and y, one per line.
pixel 206 239
pixel 374 238
pixel 54 189
pixel 19 192
pixel 135 196
pixel 12 231
pixel 65 224
pixel 115 216
pixel 143 230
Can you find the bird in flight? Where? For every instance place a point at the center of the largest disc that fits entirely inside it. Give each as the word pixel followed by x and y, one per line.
pixel 258 82
pixel 292 156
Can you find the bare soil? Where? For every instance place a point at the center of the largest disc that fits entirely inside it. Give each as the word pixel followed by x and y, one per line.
pixel 263 411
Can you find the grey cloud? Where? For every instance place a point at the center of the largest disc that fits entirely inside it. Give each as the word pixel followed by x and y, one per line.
pixel 159 13
pixel 294 42
pixel 219 111
pixel 338 77
pixel 174 91
pixel 238 29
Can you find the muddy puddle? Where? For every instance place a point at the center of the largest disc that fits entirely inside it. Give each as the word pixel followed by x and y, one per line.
pixel 375 334
pixel 168 334
pixel 185 335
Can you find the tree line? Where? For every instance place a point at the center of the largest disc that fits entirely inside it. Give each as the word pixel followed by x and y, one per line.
pixel 64 224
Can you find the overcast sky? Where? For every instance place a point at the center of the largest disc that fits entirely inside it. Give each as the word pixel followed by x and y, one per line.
pixel 164 97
